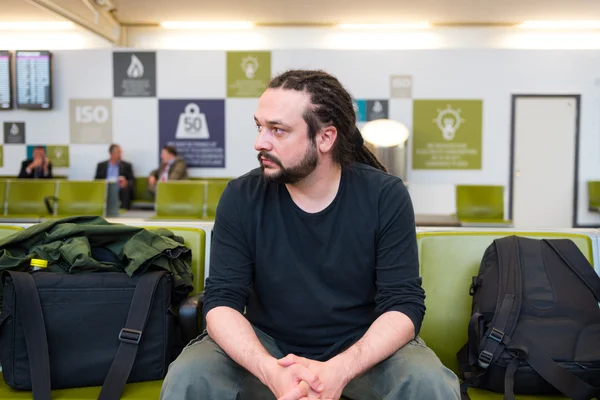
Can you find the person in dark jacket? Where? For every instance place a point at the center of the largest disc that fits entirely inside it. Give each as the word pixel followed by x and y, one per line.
pixel 116 169
pixel 38 167
pixel 314 289
pixel 172 168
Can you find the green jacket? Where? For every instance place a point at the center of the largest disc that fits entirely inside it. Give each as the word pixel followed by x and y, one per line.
pixel 91 244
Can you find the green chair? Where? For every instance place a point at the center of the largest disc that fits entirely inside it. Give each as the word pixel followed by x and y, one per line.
pixel 180 200
pixel 448 261
pixel 194 238
pixel 480 204
pixel 594 195
pixel 3 188
pixel 214 189
pixel 143 198
pixel 25 197
pixel 80 198
pixel 7 230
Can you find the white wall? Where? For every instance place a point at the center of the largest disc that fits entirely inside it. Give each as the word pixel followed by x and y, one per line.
pixel 71 39
pixel 470 64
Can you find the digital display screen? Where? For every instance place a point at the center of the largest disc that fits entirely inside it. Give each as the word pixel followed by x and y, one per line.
pixel 5 81
pixel 34 79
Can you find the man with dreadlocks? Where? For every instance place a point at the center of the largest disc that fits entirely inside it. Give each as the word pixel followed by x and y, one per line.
pixel 314 287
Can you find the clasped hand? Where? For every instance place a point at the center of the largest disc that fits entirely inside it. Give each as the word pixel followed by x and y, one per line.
pixel 298 378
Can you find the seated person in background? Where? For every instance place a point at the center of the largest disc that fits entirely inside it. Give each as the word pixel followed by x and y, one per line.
pixel 115 169
pixel 38 167
pixel 172 168
pixel 319 248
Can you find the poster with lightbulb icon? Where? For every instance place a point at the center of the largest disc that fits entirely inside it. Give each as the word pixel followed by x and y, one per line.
pixel 447 134
pixel 134 74
pixel 58 155
pixel 248 73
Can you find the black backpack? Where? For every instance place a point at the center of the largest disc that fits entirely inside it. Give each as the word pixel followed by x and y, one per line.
pixel 535 325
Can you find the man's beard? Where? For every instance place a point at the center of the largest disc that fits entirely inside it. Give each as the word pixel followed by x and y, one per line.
pixel 294 173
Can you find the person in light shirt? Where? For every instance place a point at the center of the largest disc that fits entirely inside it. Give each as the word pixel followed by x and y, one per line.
pixel 117 170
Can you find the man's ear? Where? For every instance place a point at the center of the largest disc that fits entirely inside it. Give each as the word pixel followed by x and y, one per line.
pixel 326 139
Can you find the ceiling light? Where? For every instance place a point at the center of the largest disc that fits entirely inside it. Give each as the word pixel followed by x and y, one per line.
pixel 385 133
pixel 406 26
pixel 37 26
pixel 207 25
pixel 585 24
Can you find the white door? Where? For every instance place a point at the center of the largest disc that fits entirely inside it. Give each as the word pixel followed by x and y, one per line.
pixel 544 161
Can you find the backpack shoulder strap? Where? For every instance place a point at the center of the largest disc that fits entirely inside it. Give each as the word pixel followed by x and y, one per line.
pixel 566 382
pixel 29 308
pixel 508 305
pixel 572 256
pixel 130 336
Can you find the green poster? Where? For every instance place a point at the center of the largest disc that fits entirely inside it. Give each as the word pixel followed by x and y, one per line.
pixel 447 134
pixel 248 73
pixel 1 156
pixel 59 155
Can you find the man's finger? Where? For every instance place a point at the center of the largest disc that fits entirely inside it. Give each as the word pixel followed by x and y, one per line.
pixel 310 378
pixel 299 392
pixel 288 360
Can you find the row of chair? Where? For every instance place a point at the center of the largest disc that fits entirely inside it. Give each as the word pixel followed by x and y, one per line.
pixel 50 198
pixel 193 199
pixel 448 260
pixel 485 203
pixel 143 198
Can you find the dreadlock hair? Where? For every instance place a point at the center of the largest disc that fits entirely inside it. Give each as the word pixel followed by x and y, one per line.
pixel 331 105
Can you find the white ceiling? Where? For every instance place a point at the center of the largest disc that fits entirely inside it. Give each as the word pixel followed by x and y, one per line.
pixel 321 11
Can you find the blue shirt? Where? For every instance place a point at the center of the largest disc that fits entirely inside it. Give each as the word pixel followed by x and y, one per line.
pixel 112 172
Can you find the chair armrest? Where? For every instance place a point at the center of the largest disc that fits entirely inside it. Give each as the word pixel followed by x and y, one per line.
pixel 191 319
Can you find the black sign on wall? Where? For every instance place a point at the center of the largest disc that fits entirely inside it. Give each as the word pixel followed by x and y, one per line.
pixel 134 74
pixel 34 79
pixel 5 81
pixel 14 132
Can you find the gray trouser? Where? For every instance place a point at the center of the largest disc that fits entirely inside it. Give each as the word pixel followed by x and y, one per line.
pixel 204 372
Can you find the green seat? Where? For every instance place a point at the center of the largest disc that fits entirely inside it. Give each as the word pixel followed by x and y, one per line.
pixel 480 204
pixel 143 198
pixel 180 200
pixel 594 195
pixel 215 188
pixel 7 230
pixel 25 198
pixel 194 238
pixel 448 261
pixel 81 198
pixel 3 188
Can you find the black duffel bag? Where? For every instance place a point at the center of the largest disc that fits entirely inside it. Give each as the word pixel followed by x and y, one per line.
pixel 92 329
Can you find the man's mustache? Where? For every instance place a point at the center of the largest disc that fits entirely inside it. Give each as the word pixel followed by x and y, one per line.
pixel 269 157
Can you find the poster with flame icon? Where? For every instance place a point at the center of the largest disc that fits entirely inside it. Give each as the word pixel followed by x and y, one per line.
pixel 134 74
pixel 196 128
pixel 14 132
pixel 369 110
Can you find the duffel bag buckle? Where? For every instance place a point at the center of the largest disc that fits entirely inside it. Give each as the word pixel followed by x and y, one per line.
pixel 132 336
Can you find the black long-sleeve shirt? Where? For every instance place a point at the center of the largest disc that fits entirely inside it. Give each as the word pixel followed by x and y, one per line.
pixel 315 282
